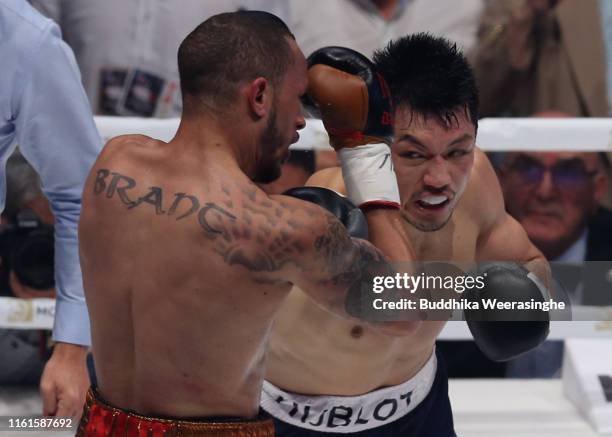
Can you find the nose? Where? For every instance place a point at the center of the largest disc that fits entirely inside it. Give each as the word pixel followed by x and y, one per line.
pixel 300 122
pixel 436 174
pixel 546 189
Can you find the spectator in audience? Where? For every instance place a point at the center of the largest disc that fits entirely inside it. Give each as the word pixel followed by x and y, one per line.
pixel 555 196
pixel 126 50
pixel 295 172
pixel 45 111
pixel 535 55
pixel 367 25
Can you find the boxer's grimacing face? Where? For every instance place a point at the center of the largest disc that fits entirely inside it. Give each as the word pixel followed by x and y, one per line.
pixel 284 120
pixel 432 162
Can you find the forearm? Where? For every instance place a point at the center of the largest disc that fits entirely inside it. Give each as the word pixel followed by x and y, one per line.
pixel 61 147
pixel 386 233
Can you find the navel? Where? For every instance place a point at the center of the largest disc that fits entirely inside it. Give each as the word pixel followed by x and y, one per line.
pixel 357 331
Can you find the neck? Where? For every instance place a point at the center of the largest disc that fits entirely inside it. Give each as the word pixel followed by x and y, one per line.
pixel 205 134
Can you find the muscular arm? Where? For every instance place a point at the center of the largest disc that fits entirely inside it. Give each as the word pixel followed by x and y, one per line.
pixel 502 238
pixel 386 235
pixel 332 266
pixel 385 230
pixel 282 239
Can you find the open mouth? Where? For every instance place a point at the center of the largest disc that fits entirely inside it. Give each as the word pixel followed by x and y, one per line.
pixel 433 203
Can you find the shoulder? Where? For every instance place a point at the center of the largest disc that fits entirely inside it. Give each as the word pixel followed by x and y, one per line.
pixel 31 34
pixel 328 178
pixel 23 32
pixel 302 217
pixel 600 235
pixel 603 218
pixel 123 146
pixel 127 157
pixel 20 16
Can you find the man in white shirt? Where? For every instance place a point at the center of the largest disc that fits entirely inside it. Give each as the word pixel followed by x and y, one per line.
pixel 43 109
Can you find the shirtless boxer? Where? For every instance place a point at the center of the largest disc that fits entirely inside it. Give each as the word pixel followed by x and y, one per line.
pixel 185 261
pixel 329 375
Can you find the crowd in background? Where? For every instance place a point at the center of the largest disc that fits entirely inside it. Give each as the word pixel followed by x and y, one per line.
pixel 531 58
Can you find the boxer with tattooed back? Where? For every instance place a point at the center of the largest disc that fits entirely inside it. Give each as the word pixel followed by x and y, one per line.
pixel 186 261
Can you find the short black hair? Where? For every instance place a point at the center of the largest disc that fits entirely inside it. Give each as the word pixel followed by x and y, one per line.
pixel 231 48
pixel 431 75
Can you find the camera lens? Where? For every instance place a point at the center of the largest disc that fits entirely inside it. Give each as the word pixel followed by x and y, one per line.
pixel 33 260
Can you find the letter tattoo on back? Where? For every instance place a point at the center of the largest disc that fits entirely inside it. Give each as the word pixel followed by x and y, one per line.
pixel 210 207
pixel 120 190
pixel 100 184
pixel 195 205
pixel 232 240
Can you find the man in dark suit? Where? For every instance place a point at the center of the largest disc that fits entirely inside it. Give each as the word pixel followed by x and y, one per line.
pixel 556 197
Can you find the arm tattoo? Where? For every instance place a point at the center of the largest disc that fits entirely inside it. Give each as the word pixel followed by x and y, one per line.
pixel 345 258
pixel 351 263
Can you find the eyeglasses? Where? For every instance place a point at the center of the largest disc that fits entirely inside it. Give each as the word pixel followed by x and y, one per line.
pixel 566 174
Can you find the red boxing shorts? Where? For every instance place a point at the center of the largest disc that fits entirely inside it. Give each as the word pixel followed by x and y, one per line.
pixel 102 420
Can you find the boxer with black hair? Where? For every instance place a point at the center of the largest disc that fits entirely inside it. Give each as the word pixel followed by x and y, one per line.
pixel 186 261
pixel 329 375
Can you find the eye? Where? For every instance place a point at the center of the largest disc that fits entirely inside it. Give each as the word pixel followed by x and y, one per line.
pixel 411 155
pixel 457 153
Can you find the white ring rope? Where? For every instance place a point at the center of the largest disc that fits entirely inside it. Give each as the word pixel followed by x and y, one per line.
pixel 494 134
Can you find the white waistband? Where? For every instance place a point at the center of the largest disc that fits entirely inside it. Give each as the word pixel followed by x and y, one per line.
pixel 345 414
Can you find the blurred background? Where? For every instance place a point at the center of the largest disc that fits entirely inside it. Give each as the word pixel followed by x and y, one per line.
pixel 532 58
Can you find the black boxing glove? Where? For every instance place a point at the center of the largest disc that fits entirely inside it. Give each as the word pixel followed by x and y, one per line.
pixel 355 107
pixel 505 334
pixel 345 211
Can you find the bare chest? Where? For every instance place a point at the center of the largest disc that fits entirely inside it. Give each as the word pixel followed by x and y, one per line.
pixel 456 241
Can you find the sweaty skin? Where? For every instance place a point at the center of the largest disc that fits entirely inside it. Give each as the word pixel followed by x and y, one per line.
pixel 186 261
pixel 314 352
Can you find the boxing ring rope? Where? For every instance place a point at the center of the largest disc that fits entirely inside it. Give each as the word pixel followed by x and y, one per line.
pixel 494 134
pixel 498 134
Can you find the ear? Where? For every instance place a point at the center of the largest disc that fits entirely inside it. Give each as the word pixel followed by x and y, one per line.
pixel 601 186
pixel 259 96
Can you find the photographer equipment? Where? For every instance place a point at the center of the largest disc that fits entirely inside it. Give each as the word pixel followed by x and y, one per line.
pixel 27 248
